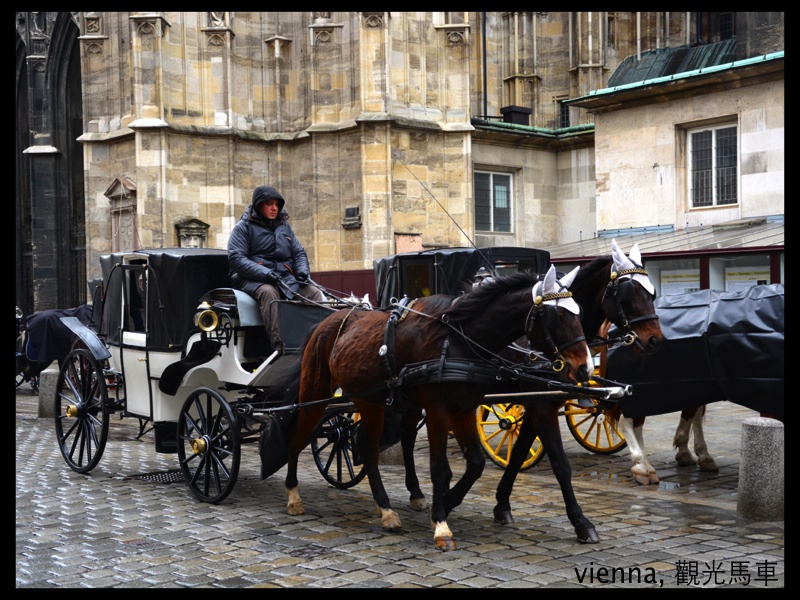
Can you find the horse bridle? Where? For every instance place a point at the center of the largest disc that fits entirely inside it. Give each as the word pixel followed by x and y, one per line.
pixel 548 316
pixel 622 290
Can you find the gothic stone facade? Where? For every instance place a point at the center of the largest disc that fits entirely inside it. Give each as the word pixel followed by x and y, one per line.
pixel 365 122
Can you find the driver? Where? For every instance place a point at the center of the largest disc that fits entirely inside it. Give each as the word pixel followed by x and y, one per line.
pixel 267 261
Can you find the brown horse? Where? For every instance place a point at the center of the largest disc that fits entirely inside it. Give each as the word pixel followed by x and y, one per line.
pixel 376 362
pixel 612 289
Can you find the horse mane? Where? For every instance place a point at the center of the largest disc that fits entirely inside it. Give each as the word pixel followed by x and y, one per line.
pixel 590 270
pixel 474 302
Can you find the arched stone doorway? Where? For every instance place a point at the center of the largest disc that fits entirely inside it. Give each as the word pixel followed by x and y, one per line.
pixel 50 237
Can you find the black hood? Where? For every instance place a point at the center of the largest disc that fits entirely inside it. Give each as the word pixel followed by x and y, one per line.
pixel 267 192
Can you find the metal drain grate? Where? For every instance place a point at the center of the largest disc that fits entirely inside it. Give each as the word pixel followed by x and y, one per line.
pixel 162 476
pixel 309 552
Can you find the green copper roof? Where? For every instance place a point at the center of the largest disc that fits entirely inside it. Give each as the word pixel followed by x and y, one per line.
pixel 669 61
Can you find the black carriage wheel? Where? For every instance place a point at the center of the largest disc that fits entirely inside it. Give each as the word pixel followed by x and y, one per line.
pixel 333 447
pixel 498 430
pixel 81 414
pixel 208 445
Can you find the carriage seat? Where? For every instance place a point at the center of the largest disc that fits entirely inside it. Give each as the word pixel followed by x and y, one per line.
pixel 295 319
pixel 237 303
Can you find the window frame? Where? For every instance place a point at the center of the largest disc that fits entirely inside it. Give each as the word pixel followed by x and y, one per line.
pixel 493 201
pixel 714 174
pixel 564 121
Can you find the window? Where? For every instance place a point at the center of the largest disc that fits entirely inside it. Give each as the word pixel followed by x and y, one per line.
pixel 563 120
pixel 492 202
pixel 726 26
pixel 611 29
pixel 713 159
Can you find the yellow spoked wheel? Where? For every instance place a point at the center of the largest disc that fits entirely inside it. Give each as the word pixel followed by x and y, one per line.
pixel 592 429
pixel 498 430
pixel 590 425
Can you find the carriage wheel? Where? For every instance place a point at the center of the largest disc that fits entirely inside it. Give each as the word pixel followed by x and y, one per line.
pixel 208 445
pixel 81 415
pixel 592 429
pixel 590 426
pixel 498 430
pixel 333 448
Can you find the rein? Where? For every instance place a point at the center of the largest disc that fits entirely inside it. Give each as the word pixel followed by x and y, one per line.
pixel 456 371
pixel 538 311
pixel 460 370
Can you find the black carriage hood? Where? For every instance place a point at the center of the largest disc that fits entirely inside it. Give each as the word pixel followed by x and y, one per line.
pixel 450 268
pixel 717 346
pixel 178 278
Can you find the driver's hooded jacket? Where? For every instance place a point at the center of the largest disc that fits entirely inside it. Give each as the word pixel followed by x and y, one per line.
pixel 259 246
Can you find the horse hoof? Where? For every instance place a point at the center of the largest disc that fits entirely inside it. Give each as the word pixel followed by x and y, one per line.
pixel 445 544
pixel 296 508
pixel 390 521
pixel 643 478
pixel 587 535
pixel 418 504
pixel 685 459
pixel 503 517
pixel 708 465
pixel 654 480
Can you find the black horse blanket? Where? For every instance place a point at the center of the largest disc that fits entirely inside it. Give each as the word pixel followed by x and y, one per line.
pixel 48 338
pixel 717 346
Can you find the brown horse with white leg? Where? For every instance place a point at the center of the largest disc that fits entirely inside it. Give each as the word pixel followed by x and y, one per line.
pixel 433 357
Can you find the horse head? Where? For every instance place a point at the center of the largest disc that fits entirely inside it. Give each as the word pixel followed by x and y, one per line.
pixel 554 325
pixel 629 300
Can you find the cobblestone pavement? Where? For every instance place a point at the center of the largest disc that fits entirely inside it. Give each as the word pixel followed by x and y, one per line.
pixel 119 526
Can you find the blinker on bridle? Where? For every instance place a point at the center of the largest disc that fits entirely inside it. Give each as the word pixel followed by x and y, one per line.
pixel 549 318
pixel 622 291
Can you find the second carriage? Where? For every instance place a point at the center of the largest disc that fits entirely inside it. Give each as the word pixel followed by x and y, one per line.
pixel 442 271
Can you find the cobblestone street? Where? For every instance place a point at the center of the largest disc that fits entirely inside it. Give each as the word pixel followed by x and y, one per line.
pixel 128 524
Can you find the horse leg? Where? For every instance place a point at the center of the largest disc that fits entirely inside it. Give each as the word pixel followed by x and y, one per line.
pixel 642 471
pixel 525 439
pixel 546 418
pixel 372 421
pixel 299 438
pixel 466 435
pixel 684 456
pixel 704 459
pixel 438 425
pixel 411 419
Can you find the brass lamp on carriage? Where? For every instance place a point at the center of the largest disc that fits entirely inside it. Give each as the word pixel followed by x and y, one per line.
pixel 206 319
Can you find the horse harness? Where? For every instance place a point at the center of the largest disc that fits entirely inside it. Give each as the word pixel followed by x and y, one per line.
pixel 458 370
pixel 482 370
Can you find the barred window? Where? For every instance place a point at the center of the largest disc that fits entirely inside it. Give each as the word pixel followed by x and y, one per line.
pixel 713 166
pixel 492 202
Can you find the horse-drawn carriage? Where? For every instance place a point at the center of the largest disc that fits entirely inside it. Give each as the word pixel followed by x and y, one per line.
pixel 159 357
pixel 205 380
pixel 198 377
